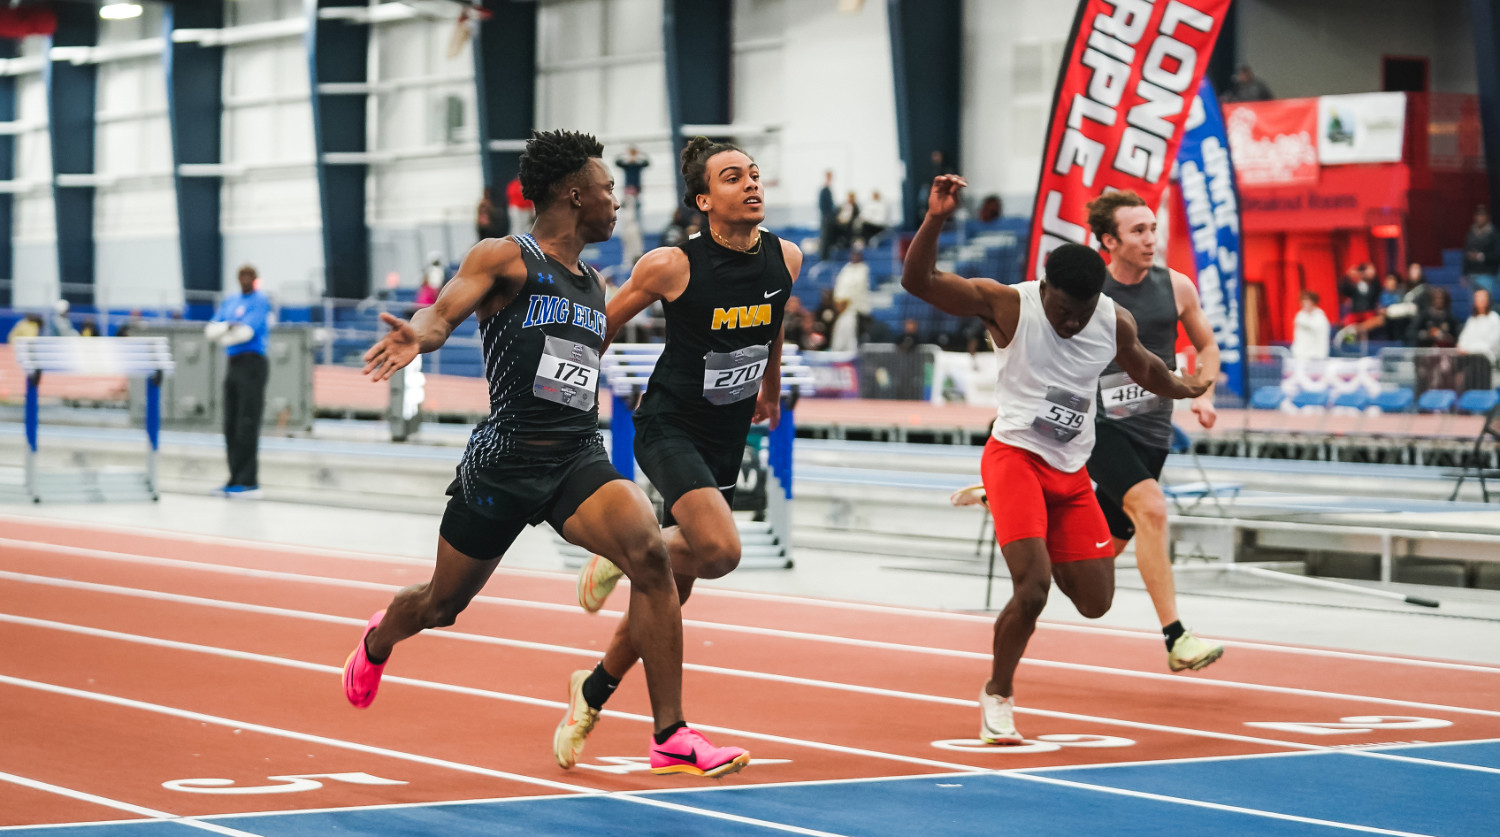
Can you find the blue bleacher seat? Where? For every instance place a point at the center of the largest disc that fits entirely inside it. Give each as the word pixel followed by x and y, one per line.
pixel 1310 398
pixel 1436 401
pixel 1356 400
pixel 1478 401
pixel 1267 398
pixel 1393 401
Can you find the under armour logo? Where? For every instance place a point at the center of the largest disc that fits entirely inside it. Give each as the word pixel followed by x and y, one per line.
pixel 545 277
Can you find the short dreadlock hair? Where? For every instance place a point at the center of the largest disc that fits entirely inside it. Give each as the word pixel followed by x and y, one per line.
pixel 551 157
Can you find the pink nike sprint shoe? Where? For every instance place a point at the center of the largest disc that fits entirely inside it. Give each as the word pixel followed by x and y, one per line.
pixel 687 751
pixel 362 677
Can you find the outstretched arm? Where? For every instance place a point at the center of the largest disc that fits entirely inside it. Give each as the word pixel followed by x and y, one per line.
pixel 660 274
pixel 1147 369
pixel 492 266
pixel 1201 335
pixel 953 294
pixel 768 402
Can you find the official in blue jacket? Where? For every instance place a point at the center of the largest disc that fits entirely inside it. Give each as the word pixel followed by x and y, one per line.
pixel 242 327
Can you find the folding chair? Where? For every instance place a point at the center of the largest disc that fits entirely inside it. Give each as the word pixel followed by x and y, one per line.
pixel 1197 491
pixel 1476 401
pixel 1439 402
pixel 1266 398
pixel 1395 402
pixel 1490 430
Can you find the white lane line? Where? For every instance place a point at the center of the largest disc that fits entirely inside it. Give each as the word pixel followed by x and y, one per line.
pixel 860 643
pixel 1213 806
pixel 380 751
pixel 106 802
pixel 856 751
pixel 710 590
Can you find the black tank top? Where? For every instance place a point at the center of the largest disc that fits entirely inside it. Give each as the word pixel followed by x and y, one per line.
pixel 719 336
pixel 1142 415
pixel 541 356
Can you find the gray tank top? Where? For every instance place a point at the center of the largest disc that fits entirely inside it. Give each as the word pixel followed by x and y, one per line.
pixel 1143 416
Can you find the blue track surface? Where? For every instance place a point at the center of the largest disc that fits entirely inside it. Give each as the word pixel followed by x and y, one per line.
pixel 1292 794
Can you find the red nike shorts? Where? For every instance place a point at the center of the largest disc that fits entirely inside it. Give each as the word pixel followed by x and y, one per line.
pixel 1031 499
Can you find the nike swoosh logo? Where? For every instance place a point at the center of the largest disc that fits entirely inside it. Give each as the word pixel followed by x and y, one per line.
pixel 769 294
pixel 1101 545
pixel 688 756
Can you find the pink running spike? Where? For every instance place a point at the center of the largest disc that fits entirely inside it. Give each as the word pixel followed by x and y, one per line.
pixel 362 677
pixel 687 751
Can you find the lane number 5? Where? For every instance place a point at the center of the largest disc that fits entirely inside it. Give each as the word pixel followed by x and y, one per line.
pixel 285 784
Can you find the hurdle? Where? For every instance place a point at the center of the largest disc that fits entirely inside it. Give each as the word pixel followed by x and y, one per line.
pixel 144 356
pixel 766 543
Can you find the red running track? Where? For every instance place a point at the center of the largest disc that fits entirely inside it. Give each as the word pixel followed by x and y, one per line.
pixel 136 661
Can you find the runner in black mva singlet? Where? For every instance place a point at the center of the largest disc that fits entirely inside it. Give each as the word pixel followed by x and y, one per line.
pixel 723 292
pixel 538 456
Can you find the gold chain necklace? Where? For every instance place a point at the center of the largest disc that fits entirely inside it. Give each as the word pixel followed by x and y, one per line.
pixel 749 251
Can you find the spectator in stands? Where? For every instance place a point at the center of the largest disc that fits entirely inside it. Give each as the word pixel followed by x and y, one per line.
pixel 487 218
pixel 522 212
pixel 1359 288
pixel 990 209
pixel 60 326
pixel 88 328
pixel 1482 251
pixel 433 277
pixel 874 218
pixel 28 326
pixel 1246 87
pixel 798 324
pixel 631 164
pixel 1481 334
pixel 1310 330
pixel 1390 295
pixel 851 303
pixel 910 338
pixel 1435 327
pixel 848 223
pixel 824 316
pixel 828 215
pixel 677 231
pixel 242 327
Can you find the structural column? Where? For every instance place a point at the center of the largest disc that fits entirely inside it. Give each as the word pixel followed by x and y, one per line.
pixel 1487 68
pixel 698 36
pixel 927 58
pixel 195 106
pixel 338 46
pixel 70 125
pixel 505 90
pixel 7 173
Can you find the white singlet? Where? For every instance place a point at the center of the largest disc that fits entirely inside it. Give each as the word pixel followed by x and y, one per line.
pixel 1046 385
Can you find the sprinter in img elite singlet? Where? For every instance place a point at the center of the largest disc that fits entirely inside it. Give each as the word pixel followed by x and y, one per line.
pixel 1134 430
pixel 1053 338
pixel 722 292
pixel 538 457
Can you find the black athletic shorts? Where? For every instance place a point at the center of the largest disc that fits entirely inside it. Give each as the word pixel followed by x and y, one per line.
pixel 490 504
pixel 1118 463
pixel 677 461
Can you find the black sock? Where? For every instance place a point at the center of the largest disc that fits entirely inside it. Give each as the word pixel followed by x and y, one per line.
pixel 661 737
pixel 1172 632
pixel 599 686
pixel 371 657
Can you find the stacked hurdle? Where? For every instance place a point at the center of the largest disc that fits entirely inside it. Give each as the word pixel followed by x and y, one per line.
pixel 767 543
pixel 149 357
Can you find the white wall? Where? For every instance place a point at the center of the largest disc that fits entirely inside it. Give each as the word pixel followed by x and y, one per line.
pixel 35 227
pixel 1012 53
pixel 1335 46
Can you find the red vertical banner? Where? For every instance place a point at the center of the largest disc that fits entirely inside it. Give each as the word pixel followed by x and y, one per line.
pixel 1125 89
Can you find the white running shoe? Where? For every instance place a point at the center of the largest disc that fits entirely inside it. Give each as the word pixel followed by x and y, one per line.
pixel 1190 652
pixel 596 581
pixel 997 723
pixel 567 741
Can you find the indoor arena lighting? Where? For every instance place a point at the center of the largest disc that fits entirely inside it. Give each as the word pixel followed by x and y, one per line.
pixel 120 11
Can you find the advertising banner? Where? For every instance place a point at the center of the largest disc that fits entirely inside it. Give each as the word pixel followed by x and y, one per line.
pixel 1205 176
pixel 1128 79
pixel 1274 143
pixel 1363 128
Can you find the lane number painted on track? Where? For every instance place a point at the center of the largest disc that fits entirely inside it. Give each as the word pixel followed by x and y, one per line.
pixel 1040 744
pixel 638 764
pixel 285 784
pixel 1352 724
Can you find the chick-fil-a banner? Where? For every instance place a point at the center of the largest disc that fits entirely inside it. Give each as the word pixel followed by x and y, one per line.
pixel 1123 94
pixel 1211 205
